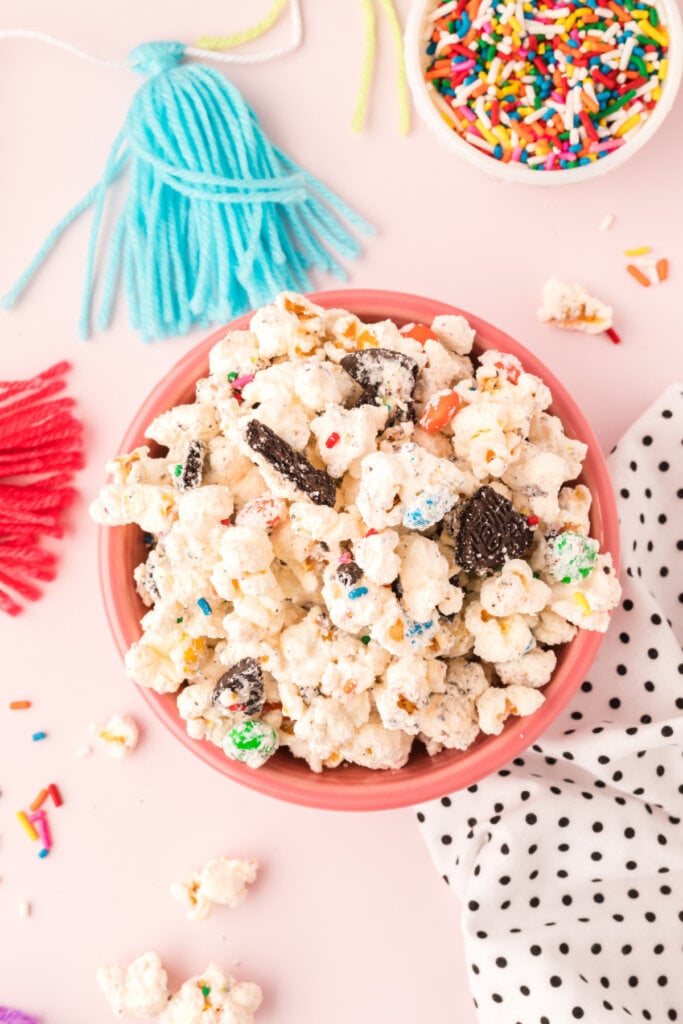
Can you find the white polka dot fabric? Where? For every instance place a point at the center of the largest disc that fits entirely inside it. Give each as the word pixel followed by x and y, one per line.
pixel 569 862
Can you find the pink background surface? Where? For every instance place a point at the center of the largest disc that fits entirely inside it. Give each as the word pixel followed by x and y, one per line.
pixel 348 919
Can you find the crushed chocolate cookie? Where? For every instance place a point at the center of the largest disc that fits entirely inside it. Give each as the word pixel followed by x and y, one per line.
pixel 349 573
pixel 294 466
pixel 241 688
pixel 387 378
pixel 189 474
pixel 489 531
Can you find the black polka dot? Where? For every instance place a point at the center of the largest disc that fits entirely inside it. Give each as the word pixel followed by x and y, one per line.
pixel 535 950
pixel 663 466
pixel 447 840
pixel 596 948
pixel 501 961
pixel 577 1013
pixel 531 819
pixel 555 980
pixel 420 816
pixel 446 801
pixel 647 440
pixel 667 414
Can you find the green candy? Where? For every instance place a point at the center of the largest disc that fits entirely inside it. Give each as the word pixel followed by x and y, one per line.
pixel 570 557
pixel 252 742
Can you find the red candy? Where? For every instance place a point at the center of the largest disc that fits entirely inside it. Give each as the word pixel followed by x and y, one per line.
pixel 439 410
pixel 332 440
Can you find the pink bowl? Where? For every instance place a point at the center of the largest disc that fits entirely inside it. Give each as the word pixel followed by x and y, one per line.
pixel 351 787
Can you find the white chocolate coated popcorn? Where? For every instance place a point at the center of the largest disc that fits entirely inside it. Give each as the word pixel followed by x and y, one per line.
pixel 569 306
pixel 223 881
pixel 137 990
pixel 118 736
pixel 331 572
pixel 213 997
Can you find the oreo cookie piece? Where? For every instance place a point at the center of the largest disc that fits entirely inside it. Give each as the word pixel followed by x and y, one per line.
pixel 488 531
pixel 189 473
pixel 241 688
pixel 387 378
pixel 349 573
pixel 293 466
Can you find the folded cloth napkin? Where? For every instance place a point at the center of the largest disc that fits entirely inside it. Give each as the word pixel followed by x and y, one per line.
pixel 569 862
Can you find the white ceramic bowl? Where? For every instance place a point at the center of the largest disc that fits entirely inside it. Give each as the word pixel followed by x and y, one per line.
pixel 416 60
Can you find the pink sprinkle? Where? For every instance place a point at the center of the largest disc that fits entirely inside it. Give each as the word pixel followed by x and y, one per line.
pixel 548 165
pixel 465 66
pixel 344 557
pixel 241 382
pixel 469 114
pixel 517 153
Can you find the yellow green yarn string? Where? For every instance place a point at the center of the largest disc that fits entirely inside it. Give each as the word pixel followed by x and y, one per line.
pixel 401 77
pixel 248 35
pixel 369 49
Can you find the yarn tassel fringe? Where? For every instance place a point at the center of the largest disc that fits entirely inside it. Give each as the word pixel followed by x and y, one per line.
pixel 40 450
pixel 217 220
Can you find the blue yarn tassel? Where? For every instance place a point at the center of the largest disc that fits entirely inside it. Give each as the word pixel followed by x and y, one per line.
pixel 217 220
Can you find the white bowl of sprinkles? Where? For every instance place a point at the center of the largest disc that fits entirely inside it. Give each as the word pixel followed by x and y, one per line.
pixel 544 92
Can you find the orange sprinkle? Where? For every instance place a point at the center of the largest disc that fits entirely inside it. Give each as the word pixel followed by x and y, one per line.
pixel 662 269
pixel 19 705
pixel 639 276
pixel 39 800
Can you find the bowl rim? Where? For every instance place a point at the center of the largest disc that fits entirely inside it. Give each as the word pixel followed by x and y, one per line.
pixel 385 789
pixel 520 173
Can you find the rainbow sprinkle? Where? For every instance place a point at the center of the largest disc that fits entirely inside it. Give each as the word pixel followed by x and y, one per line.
pixel 553 84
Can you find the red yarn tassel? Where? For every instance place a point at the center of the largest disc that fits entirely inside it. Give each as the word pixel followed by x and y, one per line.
pixel 40 449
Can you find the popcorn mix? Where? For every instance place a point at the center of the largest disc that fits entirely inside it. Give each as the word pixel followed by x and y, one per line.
pixel 141 990
pixel 223 881
pixel 360 537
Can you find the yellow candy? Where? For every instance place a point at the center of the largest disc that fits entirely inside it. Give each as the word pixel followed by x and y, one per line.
pixel 582 603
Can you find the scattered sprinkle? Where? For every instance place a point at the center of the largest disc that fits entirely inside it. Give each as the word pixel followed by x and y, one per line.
pixel 357 592
pixel 43 853
pixel 365 639
pixel 38 736
pixel 611 333
pixel 19 705
pixel 642 251
pixel 55 794
pixel 25 909
pixel 233 376
pixel 638 275
pixel 177 470
pixel 606 222
pixel 204 605
pixel 662 269
pixel 39 800
pixel 26 825
pixel 332 440
pixel 84 752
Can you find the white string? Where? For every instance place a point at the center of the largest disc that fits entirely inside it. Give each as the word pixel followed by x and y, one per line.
pixel 190 51
pixel 42 37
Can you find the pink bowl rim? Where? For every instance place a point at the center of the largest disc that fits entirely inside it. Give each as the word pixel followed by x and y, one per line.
pixel 381 790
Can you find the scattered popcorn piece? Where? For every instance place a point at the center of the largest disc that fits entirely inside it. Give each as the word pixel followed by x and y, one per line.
pixel 570 307
pixel 223 881
pixel 213 998
pixel 118 736
pixel 138 990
